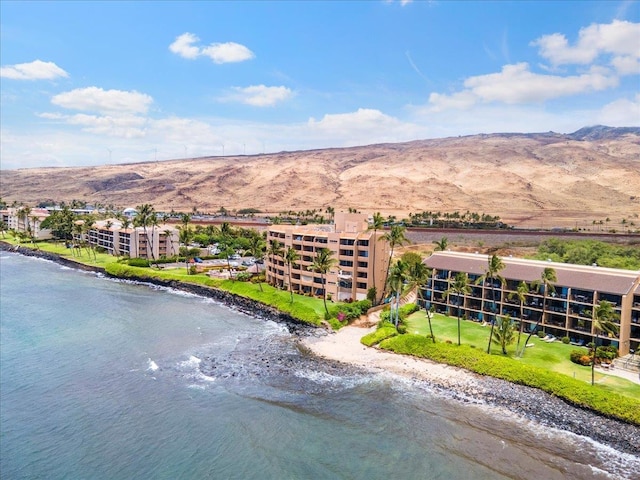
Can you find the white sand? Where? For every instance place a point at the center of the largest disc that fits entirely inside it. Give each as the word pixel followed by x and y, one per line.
pixel 345 346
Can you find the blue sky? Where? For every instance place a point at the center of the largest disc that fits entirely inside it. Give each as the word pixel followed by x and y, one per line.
pixel 88 83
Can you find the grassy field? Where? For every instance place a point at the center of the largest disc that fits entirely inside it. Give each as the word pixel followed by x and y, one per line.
pixel 551 356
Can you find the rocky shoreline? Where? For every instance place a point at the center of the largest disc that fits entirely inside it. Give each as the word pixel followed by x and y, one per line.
pixel 527 402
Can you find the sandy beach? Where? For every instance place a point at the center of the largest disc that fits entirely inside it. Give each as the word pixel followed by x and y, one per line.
pixel 344 346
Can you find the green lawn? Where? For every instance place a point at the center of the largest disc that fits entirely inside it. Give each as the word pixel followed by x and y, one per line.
pixel 309 309
pixel 550 356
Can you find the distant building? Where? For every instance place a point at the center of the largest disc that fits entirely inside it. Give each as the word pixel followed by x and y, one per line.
pixel 568 307
pixel 361 257
pixel 28 221
pixel 156 242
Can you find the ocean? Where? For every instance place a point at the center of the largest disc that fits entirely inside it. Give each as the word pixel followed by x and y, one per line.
pixel 107 379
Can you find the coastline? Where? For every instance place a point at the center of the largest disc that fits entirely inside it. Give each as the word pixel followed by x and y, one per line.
pixel 344 348
pixel 461 385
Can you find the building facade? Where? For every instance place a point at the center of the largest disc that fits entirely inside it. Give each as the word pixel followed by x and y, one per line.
pixel 27 221
pixel 565 311
pixel 135 242
pixel 361 257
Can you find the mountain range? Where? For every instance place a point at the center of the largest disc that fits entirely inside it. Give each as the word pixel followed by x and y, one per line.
pixel 535 179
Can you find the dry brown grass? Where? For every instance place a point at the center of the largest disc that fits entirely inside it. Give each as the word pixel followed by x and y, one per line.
pixel 528 180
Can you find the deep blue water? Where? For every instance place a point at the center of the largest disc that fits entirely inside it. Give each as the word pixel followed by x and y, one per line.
pixel 101 379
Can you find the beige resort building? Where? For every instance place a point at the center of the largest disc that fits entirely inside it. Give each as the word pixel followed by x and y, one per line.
pixel 15 219
pixel 361 257
pixel 567 311
pixel 135 242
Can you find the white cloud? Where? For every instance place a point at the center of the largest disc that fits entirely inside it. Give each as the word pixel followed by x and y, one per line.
pixel 258 95
pixel 618 38
pixel 36 70
pixel 627 64
pixel 228 52
pixel 621 113
pixel 183 46
pixel 364 119
pixel 94 99
pixel 517 84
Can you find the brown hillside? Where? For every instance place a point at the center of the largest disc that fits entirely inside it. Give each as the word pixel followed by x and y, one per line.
pixel 528 180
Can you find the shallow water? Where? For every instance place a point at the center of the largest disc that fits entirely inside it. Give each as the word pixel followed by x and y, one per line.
pixel 108 379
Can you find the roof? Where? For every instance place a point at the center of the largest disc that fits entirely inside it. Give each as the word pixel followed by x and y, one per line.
pixel 608 280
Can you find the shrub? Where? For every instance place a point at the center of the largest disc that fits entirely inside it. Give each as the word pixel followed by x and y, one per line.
pixel 540 334
pixel 138 262
pixel 578 356
pixel 573 391
pixel 566 340
pixel 382 333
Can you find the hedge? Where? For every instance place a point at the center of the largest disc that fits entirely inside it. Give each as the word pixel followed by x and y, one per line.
pixel 569 389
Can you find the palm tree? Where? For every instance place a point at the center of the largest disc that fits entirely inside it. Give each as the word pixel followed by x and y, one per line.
pixel 547 280
pixel 503 334
pixel 290 257
pixel 521 295
pixel 322 263
pixel 168 235
pixel 376 224
pixel 274 250
pixel 396 279
pixel 256 250
pixel 396 238
pixel 494 266
pixel 429 313
pixel 418 275
pixel 146 217
pixel 460 286
pixel 602 319
pixel 441 245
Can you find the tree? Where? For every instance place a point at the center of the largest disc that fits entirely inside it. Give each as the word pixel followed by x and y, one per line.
pixel 521 295
pixel 290 257
pixel 547 280
pixel 146 217
pixel 395 280
pixel 168 235
pixel 322 263
pixel 441 245
pixel 460 286
pixel 603 317
pixel 376 224
pixel 256 249
pixel 395 236
pixel 494 266
pixel 3 227
pixel 503 335
pixel 274 250
pixel 429 313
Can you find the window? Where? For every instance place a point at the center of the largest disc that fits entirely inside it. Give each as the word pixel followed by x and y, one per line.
pixel 363 253
pixel 347 241
pixel 363 243
pixel 363 264
pixel 362 285
pixel 346 263
pixel 348 253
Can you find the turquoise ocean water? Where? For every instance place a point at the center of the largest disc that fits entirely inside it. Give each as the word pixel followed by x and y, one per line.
pixel 101 379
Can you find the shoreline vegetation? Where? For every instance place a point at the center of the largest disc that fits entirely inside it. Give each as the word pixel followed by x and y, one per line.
pixel 603 416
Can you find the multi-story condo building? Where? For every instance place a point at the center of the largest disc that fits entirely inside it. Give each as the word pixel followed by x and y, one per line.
pixel 134 242
pixel 22 220
pixel 361 257
pixel 565 311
